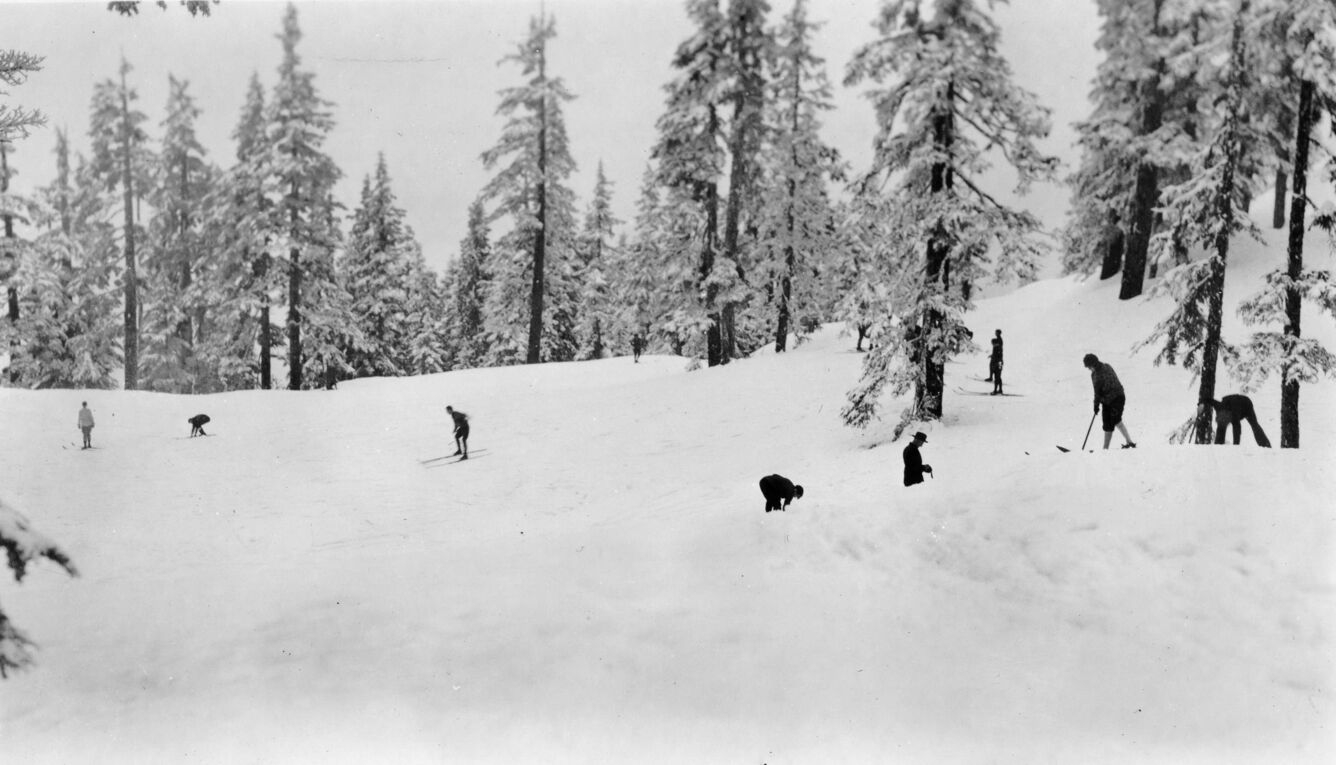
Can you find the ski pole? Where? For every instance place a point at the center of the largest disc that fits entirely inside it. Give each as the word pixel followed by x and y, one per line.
pixel 1088 428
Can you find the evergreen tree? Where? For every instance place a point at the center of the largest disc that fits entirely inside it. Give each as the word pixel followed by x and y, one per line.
pixel 797 222
pixel 298 121
pixel 531 190
pixel 175 248
pixel 470 287
pixel 122 159
pixel 380 269
pixel 15 67
pixel 690 155
pixel 948 95
pixel 1209 208
pixel 597 254
pixel 1301 39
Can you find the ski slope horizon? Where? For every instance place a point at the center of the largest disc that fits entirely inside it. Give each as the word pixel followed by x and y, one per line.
pixel 602 584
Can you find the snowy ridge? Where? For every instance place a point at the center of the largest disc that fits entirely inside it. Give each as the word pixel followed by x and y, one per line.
pixel 605 586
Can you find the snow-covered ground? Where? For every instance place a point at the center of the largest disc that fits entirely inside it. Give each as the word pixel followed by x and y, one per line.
pixel 602 584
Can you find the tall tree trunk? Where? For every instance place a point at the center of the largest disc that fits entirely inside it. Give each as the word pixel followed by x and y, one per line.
pixel 1278 204
pixel 185 327
pixel 294 319
pixel 1289 384
pixel 535 354
pixel 714 352
pixel 1224 214
pixel 261 272
pixel 1146 192
pixel 131 272
pixel 10 258
pixel 1113 253
pixel 937 270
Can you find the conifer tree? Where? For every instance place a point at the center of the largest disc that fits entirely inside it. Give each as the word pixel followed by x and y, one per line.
pixel 531 190
pixel 797 221
pixel 298 121
pixel 1301 40
pixel 1209 209
pixel 122 159
pixel 690 155
pixel 596 256
pixel 471 285
pixel 175 248
pixel 947 95
pixel 380 269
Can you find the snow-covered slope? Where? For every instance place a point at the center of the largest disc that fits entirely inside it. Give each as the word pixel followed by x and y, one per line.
pixel 602 584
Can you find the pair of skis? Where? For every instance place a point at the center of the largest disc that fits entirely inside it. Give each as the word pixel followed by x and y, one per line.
pixel 450 459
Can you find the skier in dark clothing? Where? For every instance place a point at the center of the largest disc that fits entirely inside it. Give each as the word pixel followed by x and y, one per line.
pixel 461 433
pixel 197 424
pixel 995 363
pixel 914 467
pixel 775 488
pixel 637 345
pixel 1109 394
pixel 1232 410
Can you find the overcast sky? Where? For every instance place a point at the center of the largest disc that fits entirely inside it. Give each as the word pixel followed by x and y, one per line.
pixel 420 80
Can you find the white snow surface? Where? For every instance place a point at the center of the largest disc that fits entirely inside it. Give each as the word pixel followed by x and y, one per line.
pixel 602 584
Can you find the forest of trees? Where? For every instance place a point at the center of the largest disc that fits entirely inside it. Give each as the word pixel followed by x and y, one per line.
pixel 147 263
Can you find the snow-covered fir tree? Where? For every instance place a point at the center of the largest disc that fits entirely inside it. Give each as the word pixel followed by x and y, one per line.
pixel 597 254
pixel 380 268
pixel 797 227
pixel 300 178
pixel 22 545
pixel 531 305
pixel 1302 43
pixel 174 315
pixel 945 105
pixel 690 156
pixel 1208 208
pixel 122 160
pixel 469 288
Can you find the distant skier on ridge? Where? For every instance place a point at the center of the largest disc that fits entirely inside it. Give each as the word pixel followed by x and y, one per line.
pixel 995 363
pixel 461 433
pixel 1109 394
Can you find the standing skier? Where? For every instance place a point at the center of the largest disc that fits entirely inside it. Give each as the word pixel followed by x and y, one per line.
pixel 1109 394
pixel 1232 410
pixel 995 363
pixel 914 467
pixel 775 488
pixel 86 425
pixel 637 345
pixel 461 432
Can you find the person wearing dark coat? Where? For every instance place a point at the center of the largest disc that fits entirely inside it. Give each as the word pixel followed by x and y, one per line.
pixel 461 433
pixel 1109 395
pixel 197 424
pixel 995 363
pixel 775 488
pixel 1231 411
pixel 914 467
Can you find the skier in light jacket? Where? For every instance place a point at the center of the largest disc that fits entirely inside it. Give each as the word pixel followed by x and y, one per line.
pixel 86 425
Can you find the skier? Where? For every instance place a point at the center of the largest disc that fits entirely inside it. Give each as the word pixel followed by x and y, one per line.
pixel 86 425
pixel 461 433
pixel 1109 394
pixel 914 467
pixel 995 363
pixel 637 345
pixel 1230 411
pixel 197 424
pixel 776 487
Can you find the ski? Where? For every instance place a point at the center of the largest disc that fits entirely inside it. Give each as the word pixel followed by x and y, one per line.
pixel 985 393
pixel 451 459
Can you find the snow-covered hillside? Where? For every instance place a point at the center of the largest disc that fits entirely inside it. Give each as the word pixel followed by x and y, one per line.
pixel 601 584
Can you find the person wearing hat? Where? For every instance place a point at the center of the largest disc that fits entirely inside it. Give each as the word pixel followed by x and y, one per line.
pixel 775 488
pixel 995 363
pixel 914 467
pixel 1108 394
pixel 461 432
pixel 86 425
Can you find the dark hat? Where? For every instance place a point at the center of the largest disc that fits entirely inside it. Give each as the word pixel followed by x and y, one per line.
pixel 919 435
pixel 1090 360
pixel 797 492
